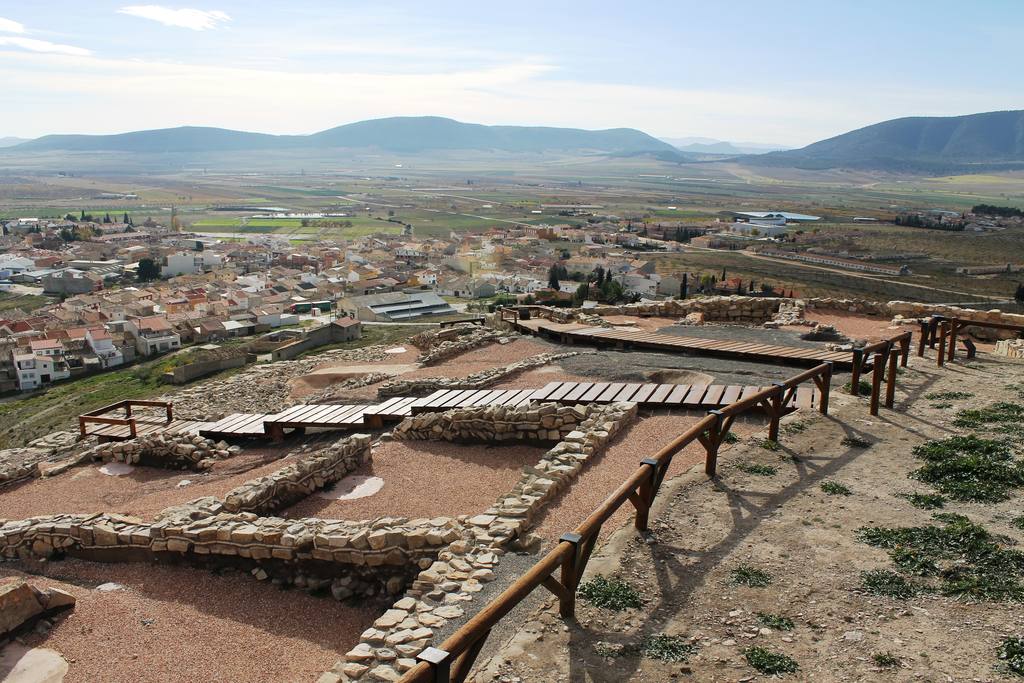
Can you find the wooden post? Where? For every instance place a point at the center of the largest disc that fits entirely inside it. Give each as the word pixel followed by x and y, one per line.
pixel 81 427
pixel 825 388
pixel 170 412
pixel 776 411
pixel 952 339
pixel 905 344
pixel 858 362
pixel 131 428
pixel 878 371
pixel 922 339
pixel 940 359
pixel 127 409
pixel 890 384
pixel 711 444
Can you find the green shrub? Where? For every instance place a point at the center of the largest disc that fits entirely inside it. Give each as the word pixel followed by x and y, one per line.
pixel 925 501
pixel 863 387
pixel 610 593
pixel 667 648
pixel 770 663
pixel 1018 522
pixel 745 575
pixel 834 488
pixel 776 621
pixel 1011 651
pixel 885 660
pixel 758 469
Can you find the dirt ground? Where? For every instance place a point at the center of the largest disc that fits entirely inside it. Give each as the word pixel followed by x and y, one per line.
pixel 806 540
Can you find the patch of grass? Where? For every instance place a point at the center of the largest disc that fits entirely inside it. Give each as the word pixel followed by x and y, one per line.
pixel 967 468
pixel 794 427
pixel 888 584
pixel 834 488
pixel 948 395
pixel 603 649
pixel 745 575
pixel 730 438
pixel 965 558
pixel 776 621
pixel 610 593
pixel 1003 417
pixel 770 663
pixel 667 648
pixel 855 442
pixel 864 388
pixel 758 469
pixel 1011 651
pixel 768 444
pixel 942 406
pixel 925 501
pixel 885 660
pixel 1018 522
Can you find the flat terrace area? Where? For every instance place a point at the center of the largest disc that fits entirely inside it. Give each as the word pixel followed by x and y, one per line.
pixel 180 624
pixel 141 491
pixel 424 479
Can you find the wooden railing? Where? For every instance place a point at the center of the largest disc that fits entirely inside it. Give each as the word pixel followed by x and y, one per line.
pixel 454 658
pixel 946 330
pixel 98 416
pixel 867 357
pixel 509 315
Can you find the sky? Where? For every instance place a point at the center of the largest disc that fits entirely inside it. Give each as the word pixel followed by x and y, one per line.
pixel 786 72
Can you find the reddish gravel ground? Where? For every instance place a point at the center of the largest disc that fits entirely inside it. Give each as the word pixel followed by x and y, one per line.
pixel 641 440
pixel 857 326
pixel 142 493
pixel 538 377
pixel 482 358
pixel 429 479
pixel 174 624
pixel 652 324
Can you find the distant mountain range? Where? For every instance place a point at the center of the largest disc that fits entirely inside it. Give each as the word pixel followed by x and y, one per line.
pixel 696 145
pixel 398 134
pixel 11 142
pixel 942 144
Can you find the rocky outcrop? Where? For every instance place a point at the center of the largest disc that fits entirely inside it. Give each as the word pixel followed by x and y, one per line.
pixel 170 451
pixel 22 604
pixel 335 393
pixel 478 380
pixel 439 345
pixel 291 484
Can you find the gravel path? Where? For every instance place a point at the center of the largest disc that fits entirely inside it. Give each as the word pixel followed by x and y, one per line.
pixel 637 366
pixel 174 624
pixel 142 493
pixel 428 479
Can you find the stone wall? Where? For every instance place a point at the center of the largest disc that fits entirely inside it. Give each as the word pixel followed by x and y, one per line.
pixel 452 341
pixel 478 380
pixel 291 484
pixel 493 424
pixel 170 451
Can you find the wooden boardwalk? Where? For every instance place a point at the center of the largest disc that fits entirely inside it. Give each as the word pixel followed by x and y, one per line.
pixel 110 432
pixel 625 338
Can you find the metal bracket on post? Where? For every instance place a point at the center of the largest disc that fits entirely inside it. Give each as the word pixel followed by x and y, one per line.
pixel 572 571
pixel 440 663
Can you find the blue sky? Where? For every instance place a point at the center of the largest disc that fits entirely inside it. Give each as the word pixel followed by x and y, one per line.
pixel 787 72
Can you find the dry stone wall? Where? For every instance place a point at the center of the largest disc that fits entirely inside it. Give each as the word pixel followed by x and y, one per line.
pixel 291 484
pixel 170 451
pixel 493 424
pixel 456 340
pixel 478 380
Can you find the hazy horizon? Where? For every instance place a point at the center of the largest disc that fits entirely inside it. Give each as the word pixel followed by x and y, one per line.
pixel 788 74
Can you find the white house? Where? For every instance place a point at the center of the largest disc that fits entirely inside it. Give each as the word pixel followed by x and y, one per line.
pixel 42 364
pixel 102 345
pixel 153 334
pixel 189 263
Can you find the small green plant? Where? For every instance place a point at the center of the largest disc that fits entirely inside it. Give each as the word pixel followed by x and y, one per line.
pixel 863 388
pixel 948 395
pixel 758 469
pixel 834 488
pixel 1018 522
pixel 603 649
pixel 855 442
pixel 667 648
pixel 942 405
pixel 925 501
pixel 794 427
pixel 768 444
pixel 730 438
pixel 775 621
pixel 885 660
pixel 745 575
pixel 610 593
pixel 888 583
pixel 1003 417
pixel 769 662
pixel 1011 651
pixel 968 468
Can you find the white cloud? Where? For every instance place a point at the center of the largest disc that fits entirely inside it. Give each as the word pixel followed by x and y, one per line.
pixel 11 26
pixel 46 46
pixel 195 19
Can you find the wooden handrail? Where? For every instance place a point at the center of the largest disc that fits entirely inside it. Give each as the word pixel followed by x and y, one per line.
pixel 454 658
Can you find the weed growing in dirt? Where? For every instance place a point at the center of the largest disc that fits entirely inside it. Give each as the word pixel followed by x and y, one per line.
pixel 610 593
pixel 948 395
pixel 864 388
pixel 965 558
pixel 794 427
pixel 730 438
pixel 925 501
pixel 603 649
pixel 745 575
pixel 885 660
pixel 768 444
pixel 942 406
pixel 834 488
pixel 667 648
pixel 770 663
pixel 775 621
pixel 758 469
pixel 1011 651
pixel 1003 417
pixel 967 468
pixel 889 584
pixel 855 442
pixel 1018 522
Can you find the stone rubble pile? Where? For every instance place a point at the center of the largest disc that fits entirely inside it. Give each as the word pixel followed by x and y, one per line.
pixel 456 340
pixel 40 457
pixel 1010 348
pixel 294 482
pixel 389 647
pixel 21 463
pixel 490 424
pixel 478 380
pixel 22 604
pixel 170 451
pixel 264 387
pixel 335 392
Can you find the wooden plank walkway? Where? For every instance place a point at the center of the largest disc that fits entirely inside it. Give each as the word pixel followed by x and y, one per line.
pixel 144 428
pixel 669 342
